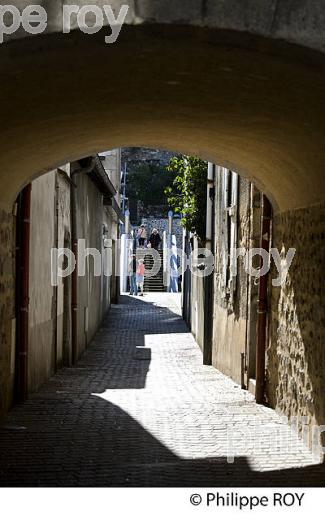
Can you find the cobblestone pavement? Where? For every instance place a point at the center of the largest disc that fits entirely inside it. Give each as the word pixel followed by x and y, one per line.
pixel 140 409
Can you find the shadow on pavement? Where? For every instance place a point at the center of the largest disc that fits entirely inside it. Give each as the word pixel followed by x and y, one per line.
pixel 64 436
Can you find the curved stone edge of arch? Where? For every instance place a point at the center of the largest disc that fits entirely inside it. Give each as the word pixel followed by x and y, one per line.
pixel 302 22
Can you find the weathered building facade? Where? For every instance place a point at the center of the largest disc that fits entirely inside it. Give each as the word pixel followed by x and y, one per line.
pixel 237 226
pixel 48 321
pixel 97 219
pixel 222 308
pixel 227 325
pixel 48 344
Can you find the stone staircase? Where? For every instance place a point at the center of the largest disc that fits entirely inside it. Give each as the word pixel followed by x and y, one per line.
pixel 154 284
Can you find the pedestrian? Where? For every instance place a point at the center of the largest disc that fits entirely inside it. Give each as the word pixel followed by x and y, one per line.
pixel 155 239
pixel 140 276
pixel 133 276
pixel 142 235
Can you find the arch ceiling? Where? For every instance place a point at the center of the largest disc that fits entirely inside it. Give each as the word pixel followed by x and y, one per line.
pixel 228 85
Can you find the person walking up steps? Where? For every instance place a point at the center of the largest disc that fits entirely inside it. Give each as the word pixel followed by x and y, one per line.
pixel 140 276
pixel 155 239
pixel 142 235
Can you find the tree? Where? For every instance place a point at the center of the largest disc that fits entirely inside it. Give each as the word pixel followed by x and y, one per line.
pixel 187 193
pixel 147 182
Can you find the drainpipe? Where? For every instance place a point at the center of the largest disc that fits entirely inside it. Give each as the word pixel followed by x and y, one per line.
pixel 74 282
pixel 244 365
pixel 74 276
pixel 210 198
pixel 56 289
pixel 208 280
pixel 262 303
pixel 24 295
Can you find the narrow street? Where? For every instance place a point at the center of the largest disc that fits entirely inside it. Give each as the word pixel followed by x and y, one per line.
pixel 140 409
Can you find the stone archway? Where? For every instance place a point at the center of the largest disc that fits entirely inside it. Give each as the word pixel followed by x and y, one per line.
pixel 245 101
pixel 193 81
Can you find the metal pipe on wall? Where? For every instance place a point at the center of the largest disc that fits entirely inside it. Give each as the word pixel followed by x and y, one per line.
pixel 74 276
pixel 244 366
pixel 23 295
pixel 208 280
pixel 55 288
pixel 210 201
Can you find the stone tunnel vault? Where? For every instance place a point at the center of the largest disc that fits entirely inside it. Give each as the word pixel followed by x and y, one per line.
pixel 242 101
pixel 247 102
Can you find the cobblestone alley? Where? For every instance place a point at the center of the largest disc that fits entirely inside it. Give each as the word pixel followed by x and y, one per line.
pixel 140 409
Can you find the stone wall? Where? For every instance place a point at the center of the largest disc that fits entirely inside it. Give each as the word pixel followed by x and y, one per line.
pixel 6 310
pixel 296 353
pixel 135 156
pixel 162 225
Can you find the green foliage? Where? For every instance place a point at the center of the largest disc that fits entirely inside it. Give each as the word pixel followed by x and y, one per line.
pixel 147 182
pixel 187 193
